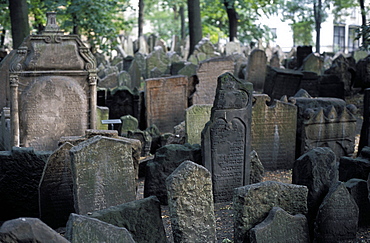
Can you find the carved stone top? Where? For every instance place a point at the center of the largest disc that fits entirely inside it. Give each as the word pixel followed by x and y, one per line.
pixel 51 24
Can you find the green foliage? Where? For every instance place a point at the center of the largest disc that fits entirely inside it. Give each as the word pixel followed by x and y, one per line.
pixel 363 33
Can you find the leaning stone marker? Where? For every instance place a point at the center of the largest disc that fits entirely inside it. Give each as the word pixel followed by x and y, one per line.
pixel 56 188
pixel 226 138
pixel 190 204
pixel 280 226
pixel 337 217
pixel 103 174
pixel 256 69
pixel 85 229
pixel 358 190
pixel 166 100
pixel 196 118
pixel 252 204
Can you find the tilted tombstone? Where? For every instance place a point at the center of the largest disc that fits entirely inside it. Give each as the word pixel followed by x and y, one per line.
pixel 324 122
pixel 190 204
pixel 337 217
pixel 280 226
pixel 202 51
pixel 358 167
pixel 20 174
pixel 358 190
pixel 56 188
pixel 274 132
pixel 196 118
pixel 144 138
pixel 313 63
pixel 362 78
pixel 275 60
pixel 232 47
pixel 166 100
pixel 318 170
pixel 302 53
pixel 157 59
pixel 280 82
pixel 53 88
pixel 129 123
pixel 207 74
pixel 252 204
pixel 110 81
pixel 257 170
pixel 81 228
pixel 256 69
pixel 142 218
pixel 103 174
pixel 226 137
pixel 341 68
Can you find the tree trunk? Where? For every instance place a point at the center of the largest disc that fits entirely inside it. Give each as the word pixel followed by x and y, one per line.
pixel 363 17
pixel 233 17
pixel 75 30
pixel 182 20
pixel 317 8
pixel 19 21
pixel 141 18
pixel 195 24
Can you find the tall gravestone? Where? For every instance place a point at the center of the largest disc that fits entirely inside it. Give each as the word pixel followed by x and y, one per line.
pixel 190 203
pixel 256 69
pixel 166 100
pixel 273 132
pixel 196 118
pixel 226 137
pixel 52 88
pixel 103 174
pixel 207 74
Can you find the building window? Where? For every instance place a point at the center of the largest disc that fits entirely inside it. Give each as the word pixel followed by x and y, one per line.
pixel 352 43
pixel 339 38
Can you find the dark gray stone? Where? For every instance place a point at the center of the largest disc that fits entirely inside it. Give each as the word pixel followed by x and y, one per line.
pixel 341 68
pixel 190 202
pixel 252 204
pixel 86 229
pixel 257 169
pixel 145 139
pixel 358 167
pixel 365 129
pixel 123 101
pixel 280 226
pixel 337 216
pixel 20 174
pixel 142 218
pixel 56 188
pixel 302 53
pixel 226 142
pixel 256 69
pixel 331 86
pixel 358 190
pixel 166 160
pixel 25 230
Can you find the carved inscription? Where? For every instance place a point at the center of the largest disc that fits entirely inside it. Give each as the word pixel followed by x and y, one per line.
pixel 52 107
pixel 228 156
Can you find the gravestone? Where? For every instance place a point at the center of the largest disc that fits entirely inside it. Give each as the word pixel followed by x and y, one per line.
pixel 359 192
pixel 102 113
pixel 103 173
pixel 29 230
pixel 256 69
pixel 275 60
pixel 232 47
pixel 81 228
pixel 53 88
pixel 202 51
pixel 311 83
pixel 280 82
pixel 129 123
pixel 313 63
pixel 331 86
pixel 280 226
pixel 56 188
pixel 20 174
pixel 157 59
pixel 365 128
pixel 274 132
pixel 358 167
pixel 110 81
pixel 324 122
pixel 257 170
pixel 196 118
pixel 144 138
pixel 5 129
pixel 226 137
pixel 190 202
pixel 4 77
pixel 302 53
pixel 166 100
pixel 337 217
pixel 318 171
pixel 341 68
pixel 142 218
pixel 362 78
pixel 166 160
pixel 252 204
pixel 207 74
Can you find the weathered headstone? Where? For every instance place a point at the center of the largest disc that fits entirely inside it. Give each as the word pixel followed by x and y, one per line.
pixel 29 230
pixel 202 51
pixel 275 60
pixel 5 129
pixel 102 113
pixel 232 47
pixel 56 188
pixel 324 122
pixel 166 160
pixel 157 59
pixel 196 118
pixel 341 68
pixel 4 77
pixel 318 170
pixel 252 204
pixel 123 101
pixel 362 78
pixel 166 100
pixel 20 174
pixel 311 83
pixel 226 137
pixel 81 228
pixel 358 167
pixel 129 123
pixel 280 82
pixel 302 53
pixel 274 132
pixel 280 226
pixel 337 217
pixel 103 173
pixel 256 69
pixel 144 138
pixel 330 85
pixel 207 74
pixel 358 190
pixel 257 170
pixel 365 129
pixel 142 218
pixel 313 63
pixel 190 202
pixel 53 88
